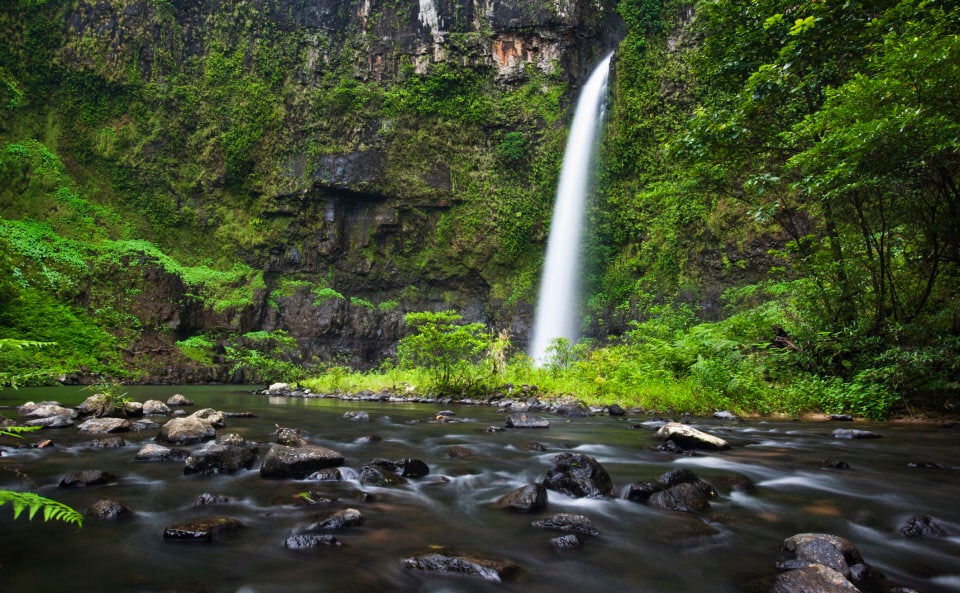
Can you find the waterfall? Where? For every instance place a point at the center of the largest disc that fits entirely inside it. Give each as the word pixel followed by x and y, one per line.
pixel 557 311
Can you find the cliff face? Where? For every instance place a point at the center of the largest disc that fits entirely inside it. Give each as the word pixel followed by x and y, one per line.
pixel 396 155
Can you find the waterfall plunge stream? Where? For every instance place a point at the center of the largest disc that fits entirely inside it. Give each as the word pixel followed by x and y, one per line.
pixel 559 287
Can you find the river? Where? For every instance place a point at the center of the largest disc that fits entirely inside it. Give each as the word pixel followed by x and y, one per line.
pixel 639 549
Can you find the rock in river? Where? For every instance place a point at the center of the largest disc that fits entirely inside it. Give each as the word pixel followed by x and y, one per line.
pixel 578 475
pixel 109 509
pixel 525 499
pixel 308 541
pixel 186 431
pixel 568 522
pixel 689 437
pixel 852 433
pixel 215 458
pixel 204 529
pixel 155 452
pixel 677 490
pixel 296 463
pixel 455 563
pixel 339 520
pixel 83 478
pixel 104 426
pixel 524 420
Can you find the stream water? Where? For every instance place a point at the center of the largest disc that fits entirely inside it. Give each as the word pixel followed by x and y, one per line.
pixel 640 549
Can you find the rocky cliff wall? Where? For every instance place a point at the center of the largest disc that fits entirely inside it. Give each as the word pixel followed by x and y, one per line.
pixel 402 155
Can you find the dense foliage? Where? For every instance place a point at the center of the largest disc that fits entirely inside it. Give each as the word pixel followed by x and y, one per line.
pixel 775 228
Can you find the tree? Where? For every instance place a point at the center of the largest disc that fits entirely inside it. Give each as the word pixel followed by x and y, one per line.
pixel 454 354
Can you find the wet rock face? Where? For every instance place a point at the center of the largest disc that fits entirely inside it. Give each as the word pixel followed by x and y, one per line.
pixel 84 478
pixel 455 563
pixel 579 476
pixel 691 438
pixel 202 529
pixel 677 490
pixel 568 522
pixel 296 463
pixel 219 459
pixel 526 499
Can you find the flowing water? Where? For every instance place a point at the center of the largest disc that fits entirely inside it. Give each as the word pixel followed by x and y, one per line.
pixel 559 287
pixel 640 549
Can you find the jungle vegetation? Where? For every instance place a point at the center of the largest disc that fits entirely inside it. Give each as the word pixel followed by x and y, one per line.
pixel 776 228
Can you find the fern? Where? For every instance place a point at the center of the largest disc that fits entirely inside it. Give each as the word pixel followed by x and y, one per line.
pixel 31 502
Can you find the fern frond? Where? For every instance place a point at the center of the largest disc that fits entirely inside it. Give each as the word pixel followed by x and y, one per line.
pixel 32 503
pixel 14 431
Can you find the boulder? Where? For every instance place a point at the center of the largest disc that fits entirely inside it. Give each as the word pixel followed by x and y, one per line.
pixel 154 407
pixel 814 578
pixel 46 410
pixel 526 499
pixel 98 405
pixel 524 420
pixel 290 437
pixel 677 490
pixel 832 551
pixel 104 426
pixel 212 417
pixel 28 407
pixel 215 458
pixel 357 416
pixel 307 541
pixel 51 421
pixel 382 473
pixel 178 399
pixel 568 522
pixel 282 462
pixel 132 409
pixel 204 529
pixel 579 476
pixel 109 509
pixel 278 389
pixel 186 431
pixel 725 415
pixel 573 410
pixel 689 437
pixel 852 433
pixel 454 563
pixel 155 452
pixel 339 520
pixel 83 478
pixel 616 410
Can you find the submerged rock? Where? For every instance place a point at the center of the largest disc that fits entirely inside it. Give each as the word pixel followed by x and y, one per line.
pixel 579 476
pixel 526 499
pixel 108 443
pixel 852 433
pixel 207 498
pixel 568 522
pixel 282 462
pixel 204 529
pixel 927 527
pixel 455 563
pixel 109 509
pixel 83 478
pixel 357 416
pixel 689 437
pixel 567 542
pixel 308 541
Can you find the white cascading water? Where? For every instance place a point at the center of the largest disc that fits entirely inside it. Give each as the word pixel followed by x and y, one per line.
pixel 557 310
